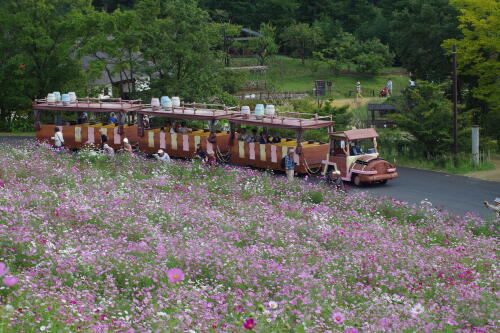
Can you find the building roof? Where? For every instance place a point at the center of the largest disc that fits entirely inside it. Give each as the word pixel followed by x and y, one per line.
pixel 357 134
pixel 282 122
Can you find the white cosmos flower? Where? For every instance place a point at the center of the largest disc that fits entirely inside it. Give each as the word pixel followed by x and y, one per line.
pixel 273 305
pixel 417 309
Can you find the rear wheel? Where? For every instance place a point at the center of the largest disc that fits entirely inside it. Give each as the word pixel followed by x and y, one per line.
pixel 356 180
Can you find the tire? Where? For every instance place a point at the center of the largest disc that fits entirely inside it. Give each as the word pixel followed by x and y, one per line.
pixel 383 182
pixel 356 180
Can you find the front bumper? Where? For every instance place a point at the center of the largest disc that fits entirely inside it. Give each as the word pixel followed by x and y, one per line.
pixel 377 178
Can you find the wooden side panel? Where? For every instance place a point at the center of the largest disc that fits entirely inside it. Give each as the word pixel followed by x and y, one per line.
pixel 180 145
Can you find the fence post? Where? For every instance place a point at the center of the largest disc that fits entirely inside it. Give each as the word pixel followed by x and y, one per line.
pixel 475 145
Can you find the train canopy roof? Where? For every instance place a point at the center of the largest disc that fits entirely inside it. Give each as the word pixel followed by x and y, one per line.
pixel 192 111
pixel 356 134
pixel 90 105
pixel 283 122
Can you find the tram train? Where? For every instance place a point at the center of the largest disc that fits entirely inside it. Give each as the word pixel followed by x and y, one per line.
pixel 341 157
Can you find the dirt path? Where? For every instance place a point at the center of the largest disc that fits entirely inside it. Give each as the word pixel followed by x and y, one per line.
pixel 492 175
pixel 352 101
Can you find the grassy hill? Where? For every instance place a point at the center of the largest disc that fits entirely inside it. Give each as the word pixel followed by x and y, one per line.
pixel 92 243
pixel 288 74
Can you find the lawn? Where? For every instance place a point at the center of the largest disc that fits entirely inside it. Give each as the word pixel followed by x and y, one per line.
pixel 92 243
pixel 288 74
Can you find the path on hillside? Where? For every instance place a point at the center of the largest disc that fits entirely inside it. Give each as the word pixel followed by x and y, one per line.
pixel 458 194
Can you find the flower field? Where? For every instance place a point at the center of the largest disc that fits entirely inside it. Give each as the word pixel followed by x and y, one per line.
pixel 97 244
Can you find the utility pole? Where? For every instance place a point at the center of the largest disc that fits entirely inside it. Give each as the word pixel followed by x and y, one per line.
pixel 455 93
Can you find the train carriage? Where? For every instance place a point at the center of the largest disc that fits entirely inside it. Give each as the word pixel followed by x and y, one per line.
pixel 185 144
pixel 308 154
pixel 87 133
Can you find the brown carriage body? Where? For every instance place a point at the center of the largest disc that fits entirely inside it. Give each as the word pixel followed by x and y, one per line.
pixel 79 135
pixel 308 155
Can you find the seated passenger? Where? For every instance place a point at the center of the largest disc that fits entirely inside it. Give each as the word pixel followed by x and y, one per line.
pixel 162 156
pixel 242 135
pixel 262 139
pixel 356 149
pixel 112 119
pixel 276 139
pixel 253 137
pixel 183 128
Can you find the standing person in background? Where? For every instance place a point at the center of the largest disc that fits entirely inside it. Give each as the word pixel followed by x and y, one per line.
pixel 58 138
pixel 412 83
pixel 290 165
pixel 358 90
pixel 389 87
pixel 112 119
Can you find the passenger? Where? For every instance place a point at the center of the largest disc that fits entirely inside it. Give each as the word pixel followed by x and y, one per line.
pixel 201 154
pixel 112 119
pixel 145 121
pixel 162 156
pixel 183 128
pixel 242 135
pixel 108 150
pixel 276 139
pixel 127 147
pixel 356 149
pixel 82 117
pixel 58 138
pixel 262 139
pixel 253 137
pixel 162 129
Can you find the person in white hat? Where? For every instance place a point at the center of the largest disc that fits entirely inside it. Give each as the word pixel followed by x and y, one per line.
pixel 162 156
pixel 358 90
pixel 127 147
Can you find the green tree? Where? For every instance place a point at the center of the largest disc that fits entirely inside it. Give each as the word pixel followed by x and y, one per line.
pixel 478 60
pixel 302 38
pixel 114 48
pixel 38 40
pixel 179 44
pixel 425 112
pixel 265 46
pixel 417 31
pixel 373 57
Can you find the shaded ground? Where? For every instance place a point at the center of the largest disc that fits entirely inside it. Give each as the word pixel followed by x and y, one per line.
pixel 492 175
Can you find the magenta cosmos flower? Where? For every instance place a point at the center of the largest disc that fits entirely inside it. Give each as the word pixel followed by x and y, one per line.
pixel 3 269
pixel 10 281
pixel 338 317
pixel 175 275
pixel 249 324
pixel 351 330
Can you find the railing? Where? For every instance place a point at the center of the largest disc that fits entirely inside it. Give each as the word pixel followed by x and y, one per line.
pixel 93 101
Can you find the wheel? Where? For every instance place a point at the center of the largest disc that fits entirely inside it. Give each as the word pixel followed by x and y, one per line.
pixel 383 182
pixel 356 180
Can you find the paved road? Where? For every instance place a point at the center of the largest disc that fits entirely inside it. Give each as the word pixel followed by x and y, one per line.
pixel 458 194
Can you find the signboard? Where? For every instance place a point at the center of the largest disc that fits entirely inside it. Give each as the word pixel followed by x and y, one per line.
pixel 320 86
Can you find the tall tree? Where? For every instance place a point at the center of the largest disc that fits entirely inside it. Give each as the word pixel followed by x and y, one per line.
pixel 417 32
pixel 478 55
pixel 179 48
pixel 114 48
pixel 302 38
pixel 38 40
pixel 265 46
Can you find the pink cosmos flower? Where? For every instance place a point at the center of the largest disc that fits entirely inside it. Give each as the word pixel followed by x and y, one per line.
pixel 175 275
pixel 249 324
pixel 351 330
pixel 338 317
pixel 3 269
pixel 10 281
